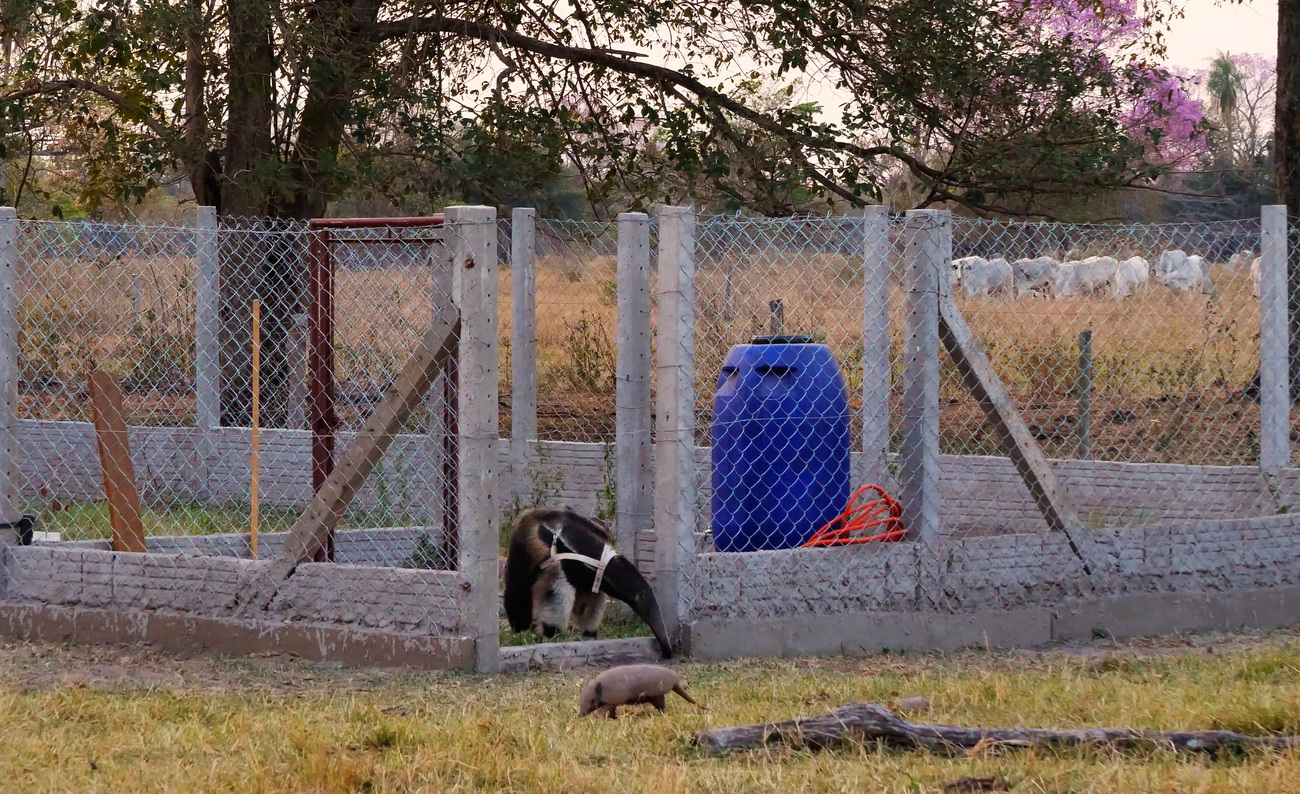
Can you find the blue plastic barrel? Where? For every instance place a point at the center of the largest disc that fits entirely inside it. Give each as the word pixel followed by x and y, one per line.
pixel 780 444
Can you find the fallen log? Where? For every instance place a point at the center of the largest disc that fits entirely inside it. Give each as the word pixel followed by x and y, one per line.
pixel 869 722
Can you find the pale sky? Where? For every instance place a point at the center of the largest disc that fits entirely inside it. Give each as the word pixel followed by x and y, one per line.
pixel 1209 26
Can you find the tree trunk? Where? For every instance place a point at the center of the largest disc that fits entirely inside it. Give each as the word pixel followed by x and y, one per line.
pixel 343 51
pixel 202 164
pixel 1286 132
pixel 248 158
pixel 269 266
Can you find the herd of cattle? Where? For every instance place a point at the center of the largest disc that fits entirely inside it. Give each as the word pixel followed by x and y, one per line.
pixel 1096 275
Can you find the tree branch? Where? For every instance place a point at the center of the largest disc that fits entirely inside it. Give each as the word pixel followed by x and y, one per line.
pixel 659 74
pixel 131 110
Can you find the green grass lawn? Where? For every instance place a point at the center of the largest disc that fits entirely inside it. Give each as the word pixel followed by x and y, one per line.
pixel 90 520
pixel 125 720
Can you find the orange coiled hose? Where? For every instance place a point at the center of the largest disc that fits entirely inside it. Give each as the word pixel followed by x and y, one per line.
pixel 883 511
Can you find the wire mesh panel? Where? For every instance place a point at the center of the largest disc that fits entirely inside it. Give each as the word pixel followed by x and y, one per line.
pixel 787 407
pixel 170 313
pixel 115 297
pixel 123 299
pixel 388 281
pixel 1119 345
pixel 577 301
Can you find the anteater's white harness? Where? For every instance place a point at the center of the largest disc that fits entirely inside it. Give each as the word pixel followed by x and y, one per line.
pixel 608 553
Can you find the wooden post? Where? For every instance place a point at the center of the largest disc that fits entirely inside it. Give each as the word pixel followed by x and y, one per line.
pixel 115 461
pixel 9 508
pixel 473 245
pixel 296 358
pixel 675 545
pixel 207 319
pixel 316 525
pixel 253 429
pixel 634 473
pixel 875 343
pixel 1274 378
pixel 926 259
pixel 523 342
pixel 320 361
pixel 1084 392
pixel 777 308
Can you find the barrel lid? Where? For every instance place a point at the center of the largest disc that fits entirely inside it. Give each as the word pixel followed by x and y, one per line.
pixel 782 339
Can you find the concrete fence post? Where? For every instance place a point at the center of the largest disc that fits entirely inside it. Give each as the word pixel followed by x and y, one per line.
pixel 875 343
pixel 523 343
pixel 633 471
pixel 675 406
pixel 1274 385
pixel 927 253
pixel 473 247
pixel 207 321
pixel 9 507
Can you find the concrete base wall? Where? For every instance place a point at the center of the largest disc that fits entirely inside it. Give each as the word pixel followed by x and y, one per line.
pixel 192 634
pixel 1008 591
pixel 1118 616
pixel 993 573
pixel 408 601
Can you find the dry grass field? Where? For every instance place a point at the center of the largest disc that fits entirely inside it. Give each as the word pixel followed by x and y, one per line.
pixel 1169 369
pixel 119 719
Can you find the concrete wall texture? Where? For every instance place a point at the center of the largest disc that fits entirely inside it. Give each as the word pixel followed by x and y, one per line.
pixel 995 573
pixel 1189 547
pixel 393 599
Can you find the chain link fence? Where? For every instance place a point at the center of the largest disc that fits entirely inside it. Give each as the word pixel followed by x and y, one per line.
pixel 576 306
pixel 1131 353
pixel 170 313
pixel 1119 345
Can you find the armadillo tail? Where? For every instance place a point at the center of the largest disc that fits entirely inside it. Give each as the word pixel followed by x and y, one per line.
pixel 681 690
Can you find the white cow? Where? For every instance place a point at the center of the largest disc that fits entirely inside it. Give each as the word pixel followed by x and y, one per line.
pixel 1254 277
pixel 1034 275
pixel 1169 262
pixel 987 277
pixel 1241 259
pixel 1086 276
pixel 1184 273
pixel 960 266
pixel 1130 276
pixel 1199 261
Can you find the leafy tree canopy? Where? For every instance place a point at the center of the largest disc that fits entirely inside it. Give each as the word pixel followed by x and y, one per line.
pixel 278 107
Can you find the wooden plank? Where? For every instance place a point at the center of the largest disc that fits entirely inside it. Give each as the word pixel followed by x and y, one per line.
pixel 1017 442
pixel 115 460
pixel 316 526
pixel 633 465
